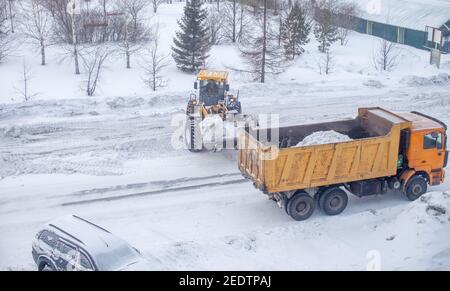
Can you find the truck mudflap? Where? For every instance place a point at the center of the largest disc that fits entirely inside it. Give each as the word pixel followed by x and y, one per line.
pixel 446 159
pixel 437 177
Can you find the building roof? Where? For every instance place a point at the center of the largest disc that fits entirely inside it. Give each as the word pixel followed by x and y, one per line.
pixel 413 14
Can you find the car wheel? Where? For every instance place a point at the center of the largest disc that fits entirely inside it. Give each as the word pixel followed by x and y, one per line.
pixel 44 266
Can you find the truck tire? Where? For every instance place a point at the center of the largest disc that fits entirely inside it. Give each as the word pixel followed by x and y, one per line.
pixel 193 136
pixel 300 206
pixel 333 201
pixel 416 187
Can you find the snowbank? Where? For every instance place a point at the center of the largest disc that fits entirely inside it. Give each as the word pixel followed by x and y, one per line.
pixel 323 137
pixel 440 79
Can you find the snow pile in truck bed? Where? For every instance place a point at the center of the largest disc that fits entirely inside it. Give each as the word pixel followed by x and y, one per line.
pixel 323 137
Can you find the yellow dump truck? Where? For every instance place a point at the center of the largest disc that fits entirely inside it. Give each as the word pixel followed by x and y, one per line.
pixel 386 150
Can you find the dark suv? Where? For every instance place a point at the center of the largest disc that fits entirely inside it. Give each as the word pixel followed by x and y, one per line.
pixel 74 243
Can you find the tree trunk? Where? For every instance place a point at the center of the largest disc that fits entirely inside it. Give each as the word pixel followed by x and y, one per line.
pixel 128 55
pixel 263 61
pixel 241 24
pixel 42 53
pixel 77 65
pixel 11 16
pixel 234 21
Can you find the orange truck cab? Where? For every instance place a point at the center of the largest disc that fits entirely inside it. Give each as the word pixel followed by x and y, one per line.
pixel 424 147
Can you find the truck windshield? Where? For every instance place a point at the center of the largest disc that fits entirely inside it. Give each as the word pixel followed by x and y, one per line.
pixel 211 92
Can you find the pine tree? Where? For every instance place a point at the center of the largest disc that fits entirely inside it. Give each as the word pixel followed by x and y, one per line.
pixel 192 43
pixel 325 31
pixel 295 31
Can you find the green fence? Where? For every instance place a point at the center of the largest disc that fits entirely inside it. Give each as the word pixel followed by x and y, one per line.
pixel 411 37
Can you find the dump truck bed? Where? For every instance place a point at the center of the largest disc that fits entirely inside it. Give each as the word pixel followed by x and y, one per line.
pixel 372 153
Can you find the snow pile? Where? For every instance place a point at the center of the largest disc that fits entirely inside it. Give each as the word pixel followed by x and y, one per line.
pixel 323 137
pixel 214 130
pixel 440 79
pixel 13 131
pixel 434 205
pixel 128 102
pixel 373 83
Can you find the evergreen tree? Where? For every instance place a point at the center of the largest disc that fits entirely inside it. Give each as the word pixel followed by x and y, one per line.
pixel 295 31
pixel 325 30
pixel 192 43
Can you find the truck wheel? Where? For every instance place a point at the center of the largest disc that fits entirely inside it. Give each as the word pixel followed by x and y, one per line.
pixel 192 136
pixel 416 187
pixel 300 207
pixel 333 201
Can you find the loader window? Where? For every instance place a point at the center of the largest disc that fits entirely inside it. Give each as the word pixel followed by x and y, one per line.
pixel 211 92
pixel 432 140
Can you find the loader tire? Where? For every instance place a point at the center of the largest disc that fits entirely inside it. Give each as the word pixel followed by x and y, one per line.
pixel 333 201
pixel 300 206
pixel 416 187
pixel 193 136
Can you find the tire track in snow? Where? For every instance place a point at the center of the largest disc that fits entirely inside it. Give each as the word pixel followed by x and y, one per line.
pixel 145 184
pixel 154 192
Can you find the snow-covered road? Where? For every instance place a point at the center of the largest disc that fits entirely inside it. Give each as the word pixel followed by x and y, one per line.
pixel 111 160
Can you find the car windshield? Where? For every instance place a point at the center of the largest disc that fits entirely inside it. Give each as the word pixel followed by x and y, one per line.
pixel 211 92
pixel 117 257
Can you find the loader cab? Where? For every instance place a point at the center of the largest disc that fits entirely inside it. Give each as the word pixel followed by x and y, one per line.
pixel 427 149
pixel 212 87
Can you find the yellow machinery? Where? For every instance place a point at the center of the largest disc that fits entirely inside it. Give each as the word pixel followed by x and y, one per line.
pixel 211 98
pixel 397 151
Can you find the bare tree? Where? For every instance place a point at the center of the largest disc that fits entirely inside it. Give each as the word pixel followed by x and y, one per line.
pixel 326 63
pixel 93 59
pixel 36 25
pixel 134 10
pixel 261 50
pixel 155 4
pixel 24 90
pixel 154 66
pixel 346 20
pixel 11 9
pixel 62 19
pixel 231 19
pixel 215 22
pixel 385 56
pixel 6 38
pixel 135 31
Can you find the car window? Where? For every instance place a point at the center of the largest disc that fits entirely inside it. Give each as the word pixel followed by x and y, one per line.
pixel 65 248
pixel 116 257
pixel 432 140
pixel 49 238
pixel 84 262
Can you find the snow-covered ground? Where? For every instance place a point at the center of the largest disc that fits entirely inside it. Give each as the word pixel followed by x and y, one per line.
pixel 110 158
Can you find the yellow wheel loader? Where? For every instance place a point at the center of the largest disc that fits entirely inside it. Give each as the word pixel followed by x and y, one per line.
pixel 212 101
